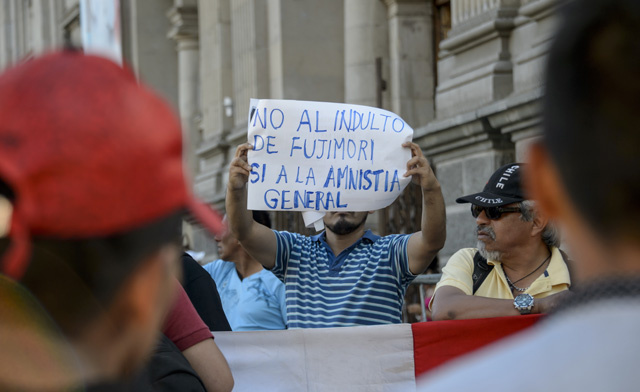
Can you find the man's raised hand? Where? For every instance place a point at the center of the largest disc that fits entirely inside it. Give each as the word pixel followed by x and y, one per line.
pixel 419 169
pixel 239 169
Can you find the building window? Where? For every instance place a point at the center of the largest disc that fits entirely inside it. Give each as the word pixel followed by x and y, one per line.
pixel 442 22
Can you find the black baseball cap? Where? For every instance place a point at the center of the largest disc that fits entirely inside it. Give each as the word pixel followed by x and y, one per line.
pixel 504 187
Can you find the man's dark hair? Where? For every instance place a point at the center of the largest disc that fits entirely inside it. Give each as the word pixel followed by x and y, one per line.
pixel 550 235
pixel 262 217
pixel 592 112
pixel 75 279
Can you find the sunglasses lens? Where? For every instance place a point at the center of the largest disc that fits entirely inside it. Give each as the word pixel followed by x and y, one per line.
pixel 490 212
pixel 493 212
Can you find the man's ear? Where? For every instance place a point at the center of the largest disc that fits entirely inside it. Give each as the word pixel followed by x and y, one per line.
pixel 539 222
pixel 146 296
pixel 542 183
pixel 5 216
pixel 123 336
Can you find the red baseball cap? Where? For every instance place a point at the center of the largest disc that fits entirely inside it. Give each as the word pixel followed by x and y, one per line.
pixel 88 151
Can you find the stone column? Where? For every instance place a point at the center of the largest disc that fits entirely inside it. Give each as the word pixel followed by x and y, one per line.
pixel 366 38
pixel 216 99
pixel 412 62
pixel 7 39
pixel 535 25
pixel 184 30
pixel 250 58
pixel 305 49
pixel 153 60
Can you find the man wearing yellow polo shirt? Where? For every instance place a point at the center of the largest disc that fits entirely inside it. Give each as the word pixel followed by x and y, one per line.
pixel 517 267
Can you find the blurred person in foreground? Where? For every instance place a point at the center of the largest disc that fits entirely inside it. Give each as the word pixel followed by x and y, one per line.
pixel 585 174
pixel 92 197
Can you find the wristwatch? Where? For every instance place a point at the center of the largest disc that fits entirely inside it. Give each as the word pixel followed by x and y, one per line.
pixel 523 303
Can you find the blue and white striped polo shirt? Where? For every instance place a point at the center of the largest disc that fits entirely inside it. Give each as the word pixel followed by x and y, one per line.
pixel 363 285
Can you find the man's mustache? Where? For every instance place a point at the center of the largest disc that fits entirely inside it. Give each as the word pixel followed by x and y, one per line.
pixel 486 230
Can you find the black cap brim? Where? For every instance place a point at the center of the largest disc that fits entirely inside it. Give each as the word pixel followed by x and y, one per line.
pixel 486 199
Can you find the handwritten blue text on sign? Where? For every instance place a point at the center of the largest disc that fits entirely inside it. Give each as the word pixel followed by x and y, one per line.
pixel 325 156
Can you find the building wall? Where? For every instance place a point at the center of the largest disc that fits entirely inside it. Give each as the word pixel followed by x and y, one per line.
pixel 472 98
pixel 30 28
pixel 487 99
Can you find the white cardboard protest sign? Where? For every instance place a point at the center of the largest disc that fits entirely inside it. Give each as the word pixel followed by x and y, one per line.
pixel 321 156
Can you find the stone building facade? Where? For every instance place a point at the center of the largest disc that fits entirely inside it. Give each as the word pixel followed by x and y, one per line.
pixel 465 74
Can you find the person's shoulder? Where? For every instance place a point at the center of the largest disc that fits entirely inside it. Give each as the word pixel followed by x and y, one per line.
pixel 559 256
pixel 464 254
pixel 218 266
pixel 393 236
pixel 386 239
pixel 270 280
pixel 297 238
pixel 560 266
pixel 289 234
pixel 458 269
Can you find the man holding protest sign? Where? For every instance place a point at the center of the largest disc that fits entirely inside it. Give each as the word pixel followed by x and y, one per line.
pixel 344 276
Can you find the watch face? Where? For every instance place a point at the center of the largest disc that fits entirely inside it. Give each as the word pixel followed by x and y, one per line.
pixel 523 300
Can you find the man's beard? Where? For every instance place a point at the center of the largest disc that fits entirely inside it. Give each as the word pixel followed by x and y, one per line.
pixel 489 255
pixel 342 226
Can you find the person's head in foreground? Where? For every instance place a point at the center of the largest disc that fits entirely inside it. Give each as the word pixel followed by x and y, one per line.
pixel 92 193
pixel 586 171
pixel 585 174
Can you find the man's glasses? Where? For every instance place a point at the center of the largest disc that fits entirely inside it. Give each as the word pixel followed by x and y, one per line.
pixel 492 212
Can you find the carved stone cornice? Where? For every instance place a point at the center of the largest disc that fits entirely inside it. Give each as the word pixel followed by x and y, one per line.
pixel 184 21
pixel 214 145
pixel 492 126
pixel 390 3
pixel 406 7
pixel 497 22
pixel 537 9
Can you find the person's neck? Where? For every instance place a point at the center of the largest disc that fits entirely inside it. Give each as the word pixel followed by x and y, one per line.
pixel 521 261
pixel 340 242
pixel 44 363
pixel 247 265
pixel 32 342
pixel 621 259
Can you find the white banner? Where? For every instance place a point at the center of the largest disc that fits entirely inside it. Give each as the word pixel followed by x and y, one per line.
pixel 321 156
pixel 349 359
pixel 100 28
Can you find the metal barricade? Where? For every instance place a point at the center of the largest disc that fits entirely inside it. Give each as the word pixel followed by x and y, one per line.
pixel 421 281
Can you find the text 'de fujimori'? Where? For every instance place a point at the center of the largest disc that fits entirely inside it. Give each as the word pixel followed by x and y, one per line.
pixel 325 156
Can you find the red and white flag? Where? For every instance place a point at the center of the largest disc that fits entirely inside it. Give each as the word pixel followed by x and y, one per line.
pixel 376 358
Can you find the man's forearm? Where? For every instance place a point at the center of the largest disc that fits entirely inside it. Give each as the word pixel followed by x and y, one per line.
pixel 239 217
pixel 208 361
pixel 424 245
pixel 433 224
pixel 464 306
